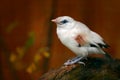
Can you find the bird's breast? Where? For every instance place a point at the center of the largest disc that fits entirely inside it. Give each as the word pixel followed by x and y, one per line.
pixel 67 37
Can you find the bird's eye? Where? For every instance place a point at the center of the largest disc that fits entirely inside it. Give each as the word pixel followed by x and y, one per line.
pixel 64 21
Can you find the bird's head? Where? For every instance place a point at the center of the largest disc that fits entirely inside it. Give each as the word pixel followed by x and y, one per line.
pixel 64 21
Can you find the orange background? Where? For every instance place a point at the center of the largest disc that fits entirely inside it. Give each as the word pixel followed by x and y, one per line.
pixel 28 42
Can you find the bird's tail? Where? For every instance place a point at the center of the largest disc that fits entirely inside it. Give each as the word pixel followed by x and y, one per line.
pixel 108 57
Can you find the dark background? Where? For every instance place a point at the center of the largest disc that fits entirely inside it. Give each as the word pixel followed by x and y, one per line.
pixel 28 42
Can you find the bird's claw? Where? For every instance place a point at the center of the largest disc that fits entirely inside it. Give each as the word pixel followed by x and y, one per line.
pixel 81 63
pixel 75 60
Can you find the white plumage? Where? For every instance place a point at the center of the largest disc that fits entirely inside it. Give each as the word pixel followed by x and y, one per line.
pixel 78 37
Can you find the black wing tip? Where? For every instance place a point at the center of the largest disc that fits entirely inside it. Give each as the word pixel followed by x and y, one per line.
pixel 103 45
pixel 106 45
pixel 100 45
pixel 92 45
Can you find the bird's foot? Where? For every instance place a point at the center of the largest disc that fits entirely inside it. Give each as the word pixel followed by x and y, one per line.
pixel 75 60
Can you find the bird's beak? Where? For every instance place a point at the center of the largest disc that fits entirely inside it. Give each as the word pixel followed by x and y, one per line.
pixel 54 20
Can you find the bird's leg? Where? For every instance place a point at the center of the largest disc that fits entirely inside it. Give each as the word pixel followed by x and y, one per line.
pixel 75 60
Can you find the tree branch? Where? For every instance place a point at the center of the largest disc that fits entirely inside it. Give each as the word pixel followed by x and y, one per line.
pixel 95 69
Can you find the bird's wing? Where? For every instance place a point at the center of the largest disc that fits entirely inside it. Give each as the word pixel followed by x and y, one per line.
pixel 93 40
pixel 87 37
pixel 97 41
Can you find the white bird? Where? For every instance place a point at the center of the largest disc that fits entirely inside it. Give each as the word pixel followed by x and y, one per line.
pixel 78 38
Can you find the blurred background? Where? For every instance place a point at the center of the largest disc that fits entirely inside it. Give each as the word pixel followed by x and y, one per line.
pixel 29 46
